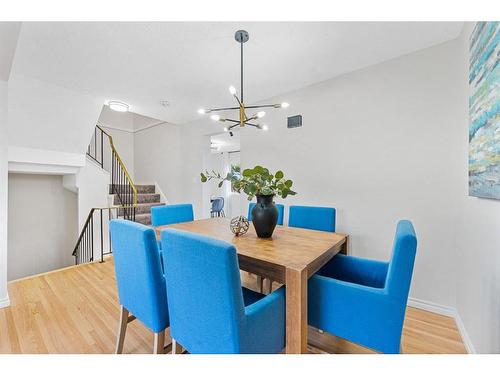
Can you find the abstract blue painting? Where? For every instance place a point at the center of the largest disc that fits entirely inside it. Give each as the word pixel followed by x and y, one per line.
pixel 484 114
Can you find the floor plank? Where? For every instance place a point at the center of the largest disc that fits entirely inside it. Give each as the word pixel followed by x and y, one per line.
pixel 75 310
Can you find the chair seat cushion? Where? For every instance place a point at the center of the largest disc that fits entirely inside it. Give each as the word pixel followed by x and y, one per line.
pixel 250 297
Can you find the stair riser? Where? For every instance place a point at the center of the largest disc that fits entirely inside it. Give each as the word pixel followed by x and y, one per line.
pixel 141 189
pixel 141 198
pixel 146 220
pixel 141 209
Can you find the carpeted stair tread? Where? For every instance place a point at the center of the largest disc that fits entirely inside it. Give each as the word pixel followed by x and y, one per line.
pixel 141 189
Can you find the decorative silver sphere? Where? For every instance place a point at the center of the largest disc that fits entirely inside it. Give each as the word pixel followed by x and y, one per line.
pixel 239 225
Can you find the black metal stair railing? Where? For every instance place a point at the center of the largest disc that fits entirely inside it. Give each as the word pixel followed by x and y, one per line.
pixel 92 243
pixel 95 150
pixel 124 190
pixel 126 196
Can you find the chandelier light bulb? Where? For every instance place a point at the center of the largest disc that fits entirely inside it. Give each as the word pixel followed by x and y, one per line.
pixel 215 117
pixel 226 129
pixel 261 114
pixel 285 105
pixel 202 111
pixel 265 127
pixel 232 90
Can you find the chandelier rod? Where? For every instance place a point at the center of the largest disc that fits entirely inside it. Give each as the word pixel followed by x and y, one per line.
pixel 241 64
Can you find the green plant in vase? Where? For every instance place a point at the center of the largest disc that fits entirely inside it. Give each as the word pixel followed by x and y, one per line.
pixel 257 182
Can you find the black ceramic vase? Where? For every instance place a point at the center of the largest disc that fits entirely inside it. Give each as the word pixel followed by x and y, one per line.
pixel 264 216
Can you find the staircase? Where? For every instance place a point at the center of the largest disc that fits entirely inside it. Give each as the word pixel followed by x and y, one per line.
pixel 146 198
pixel 130 202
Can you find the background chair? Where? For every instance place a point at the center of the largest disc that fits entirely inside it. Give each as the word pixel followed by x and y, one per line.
pixel 140 281
pixel 364 301
pixel 209 310
pixel 217 207
pixel 310 217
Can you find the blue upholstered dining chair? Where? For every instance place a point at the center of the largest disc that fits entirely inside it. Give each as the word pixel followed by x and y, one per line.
pixel 139 277
pixel 171 214
pixel 280 207
pixel 309 217
pixel 364 301
pixel 209 310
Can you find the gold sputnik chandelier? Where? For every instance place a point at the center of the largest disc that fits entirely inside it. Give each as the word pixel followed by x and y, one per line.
pixel 241 37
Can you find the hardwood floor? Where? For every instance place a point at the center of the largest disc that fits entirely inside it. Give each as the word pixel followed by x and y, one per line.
pixel 75 310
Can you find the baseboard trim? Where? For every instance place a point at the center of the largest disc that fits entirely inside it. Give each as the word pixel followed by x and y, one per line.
pixel 465 336
pixel 432 307
pixel 447 311
pixel 4 302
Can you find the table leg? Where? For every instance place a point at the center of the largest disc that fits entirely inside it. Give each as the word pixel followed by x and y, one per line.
pixel 296 311
pixel 345 247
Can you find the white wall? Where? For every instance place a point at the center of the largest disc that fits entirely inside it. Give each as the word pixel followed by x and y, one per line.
pixel 380 145
pixel 124 144
pixel 477 246
pixel 92 183
pixel 4 299
pixel 123 126
pixel 42 224
pixel 157 158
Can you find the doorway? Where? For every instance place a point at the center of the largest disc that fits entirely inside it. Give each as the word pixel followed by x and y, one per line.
pixel 224 157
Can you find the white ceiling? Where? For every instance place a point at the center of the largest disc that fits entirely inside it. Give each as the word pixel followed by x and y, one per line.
pixel 192 64
pixel 9 32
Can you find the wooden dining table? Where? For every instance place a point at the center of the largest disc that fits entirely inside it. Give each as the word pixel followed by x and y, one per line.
pixel 290 257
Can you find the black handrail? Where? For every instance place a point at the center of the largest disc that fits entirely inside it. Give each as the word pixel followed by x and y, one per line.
pixel 86 246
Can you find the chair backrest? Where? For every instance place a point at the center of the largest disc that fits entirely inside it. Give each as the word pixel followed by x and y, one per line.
pixel 171 214
pixel 280 207
pixel 204 292
pixel 310 217
pixel 141 285
pixel 217 204
pixel 403 258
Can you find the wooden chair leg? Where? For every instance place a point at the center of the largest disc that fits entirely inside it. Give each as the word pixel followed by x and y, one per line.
pixel 176 347
pixel 270 286
pixel 260 283
pixel 122 329
pixel 159 343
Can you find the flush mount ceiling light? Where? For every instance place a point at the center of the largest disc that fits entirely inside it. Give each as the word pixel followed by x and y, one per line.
pixel 118 106
pixel 241 37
